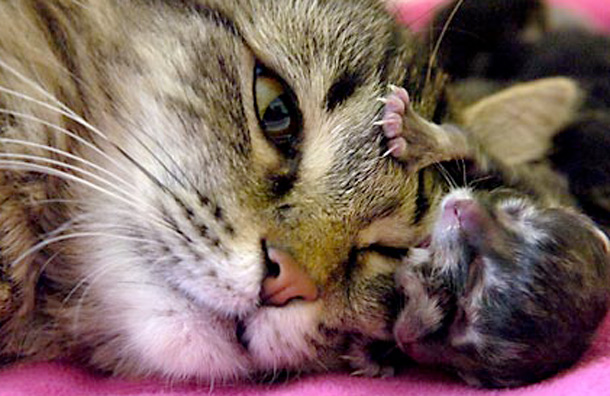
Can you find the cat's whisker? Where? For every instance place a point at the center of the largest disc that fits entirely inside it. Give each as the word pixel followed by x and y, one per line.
pixel 67 155
pixel 48 262
pixel 61 238
pixel 22 165
pixel 33 84
pixel 97 275
pixel 65 131
pixel 24 157
pixel 439 41
pixel 81 218
pixel 71 115
pixel 93 276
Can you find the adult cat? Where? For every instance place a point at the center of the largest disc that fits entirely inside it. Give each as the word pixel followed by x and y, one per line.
pixel 187 187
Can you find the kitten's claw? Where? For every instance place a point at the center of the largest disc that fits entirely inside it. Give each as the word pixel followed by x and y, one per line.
pixel 362 362
pixel 396 104
pixel 415 141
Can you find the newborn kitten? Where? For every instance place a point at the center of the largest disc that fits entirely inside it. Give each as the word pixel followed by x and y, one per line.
pixel 509 289
pixel 185 186
pixel 507 293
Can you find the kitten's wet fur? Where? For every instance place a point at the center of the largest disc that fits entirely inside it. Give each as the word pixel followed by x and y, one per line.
pixel 507 293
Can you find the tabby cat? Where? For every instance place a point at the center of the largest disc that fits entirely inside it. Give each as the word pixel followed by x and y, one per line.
pixel 193 189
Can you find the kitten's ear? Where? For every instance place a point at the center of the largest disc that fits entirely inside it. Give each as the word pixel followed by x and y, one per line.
pixel 517 124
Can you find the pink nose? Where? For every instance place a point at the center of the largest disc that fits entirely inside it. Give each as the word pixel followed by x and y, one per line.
pixel 286 281
pixel 470 215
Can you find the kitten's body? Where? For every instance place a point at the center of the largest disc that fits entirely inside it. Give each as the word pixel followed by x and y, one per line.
pixel 146 207
pixel 509 291
pixel 512 283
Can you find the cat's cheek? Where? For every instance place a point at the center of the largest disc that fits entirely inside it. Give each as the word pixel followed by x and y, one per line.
pixel 281 337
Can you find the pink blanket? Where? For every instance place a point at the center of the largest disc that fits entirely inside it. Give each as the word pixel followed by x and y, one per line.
pixel 590 377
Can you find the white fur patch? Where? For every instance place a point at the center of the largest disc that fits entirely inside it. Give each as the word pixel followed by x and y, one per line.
pixel 279 337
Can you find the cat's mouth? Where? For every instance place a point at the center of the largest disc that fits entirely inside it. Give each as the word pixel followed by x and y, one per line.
pixel 240 332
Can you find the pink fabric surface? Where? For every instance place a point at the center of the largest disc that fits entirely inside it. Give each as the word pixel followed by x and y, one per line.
pixel 589 377
pixel 416 13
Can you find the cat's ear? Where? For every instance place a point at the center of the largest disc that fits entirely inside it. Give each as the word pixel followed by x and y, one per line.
pixel 517 124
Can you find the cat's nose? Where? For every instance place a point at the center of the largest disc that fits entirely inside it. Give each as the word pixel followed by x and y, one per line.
pixel 285 280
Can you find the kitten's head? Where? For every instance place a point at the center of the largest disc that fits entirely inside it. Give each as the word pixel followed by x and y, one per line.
pixel 529 285
pixel 241 148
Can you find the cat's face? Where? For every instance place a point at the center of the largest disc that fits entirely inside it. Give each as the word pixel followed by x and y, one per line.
pixel 233 128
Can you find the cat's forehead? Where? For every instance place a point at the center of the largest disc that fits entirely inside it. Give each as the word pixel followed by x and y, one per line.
pixel 304 39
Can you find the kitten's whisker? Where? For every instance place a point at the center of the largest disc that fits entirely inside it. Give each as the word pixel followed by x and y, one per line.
pixel 446 175
pixel 464 172
pixel 473 182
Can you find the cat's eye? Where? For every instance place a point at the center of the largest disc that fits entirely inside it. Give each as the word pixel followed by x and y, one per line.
pixel 277 110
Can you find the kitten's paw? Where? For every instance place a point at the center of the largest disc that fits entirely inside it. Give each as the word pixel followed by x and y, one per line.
pixel 422 314
pixel 396 104
pixel 365 359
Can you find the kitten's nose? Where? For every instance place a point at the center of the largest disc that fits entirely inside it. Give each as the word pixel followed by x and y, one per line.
pixel 467 212
pixel 286 280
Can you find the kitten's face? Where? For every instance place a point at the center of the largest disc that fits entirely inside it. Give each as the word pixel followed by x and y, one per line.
pixel 235 128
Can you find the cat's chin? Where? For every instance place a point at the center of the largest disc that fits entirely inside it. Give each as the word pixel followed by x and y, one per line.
pixel 283 337
pixel 190 343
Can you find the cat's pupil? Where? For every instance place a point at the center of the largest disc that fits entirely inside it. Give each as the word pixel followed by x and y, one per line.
pixel 277 117
pixel 277 110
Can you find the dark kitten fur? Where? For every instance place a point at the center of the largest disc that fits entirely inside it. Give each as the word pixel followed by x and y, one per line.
pixel 491 41
pixel 509 291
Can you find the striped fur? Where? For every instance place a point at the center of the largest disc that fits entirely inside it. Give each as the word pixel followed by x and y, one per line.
pixel 137 187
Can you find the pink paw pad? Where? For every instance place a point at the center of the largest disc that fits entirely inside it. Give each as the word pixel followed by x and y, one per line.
pixel 396 103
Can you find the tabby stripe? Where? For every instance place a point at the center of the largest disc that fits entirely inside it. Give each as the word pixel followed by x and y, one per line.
pixel 61 45
pixel 389 55
pixel 190 6
pixel 422 203
pixel 343 87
